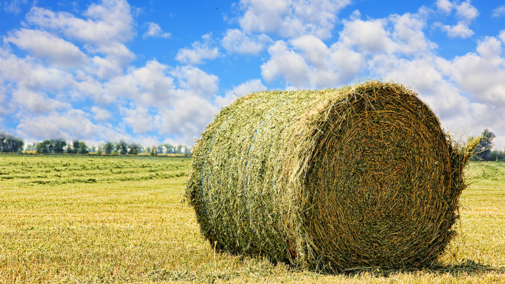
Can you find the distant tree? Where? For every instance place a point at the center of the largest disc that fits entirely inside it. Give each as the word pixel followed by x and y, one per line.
pixel 483 150
pixel 58 145
pixel 99 152
pixel 179 149
pixel 10 143
pixel 82 148
pixel 115 153
pixel 148 150
pixel 46 147
pixel 122 147
pixel 69 149
pixel 38 147
pixel 497 155
pixel 134 148
pixel 108 148
pixel 153 151
pixel 169 148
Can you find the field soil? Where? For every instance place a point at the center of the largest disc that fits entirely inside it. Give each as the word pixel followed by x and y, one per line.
pixel 85 219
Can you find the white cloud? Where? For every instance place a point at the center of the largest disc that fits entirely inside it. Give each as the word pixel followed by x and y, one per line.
pixel 445 5
pixel 72 124
pixel 287 64
pixel 499 11
pixel 6 107
pixel 291 18
pixel 43 45
pixel 243 89
pixel 100 113
pixel 199 52
pixel 147 85
pixel 107 22
pixel 481 74
pixel 460 30
pixel 465 13
pixel 107 27
pixel 13 6
pixel 235 41
pixel 139 119
pixel 408 33
pixel 36 101
pixel 196 81
pixel 32 84
pixel 368 36
pixel 154 30
pixel 307 61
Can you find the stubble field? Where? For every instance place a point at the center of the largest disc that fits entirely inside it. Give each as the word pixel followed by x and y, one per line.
pixel 84 219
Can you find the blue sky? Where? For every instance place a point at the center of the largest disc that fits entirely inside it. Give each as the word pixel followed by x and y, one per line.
pixel 158 71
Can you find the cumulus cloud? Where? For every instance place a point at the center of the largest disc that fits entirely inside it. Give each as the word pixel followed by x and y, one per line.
pixel 139 119
pixel 199 52
pixel 14 6
pixel 481 74
pixel 291 18
pixel 368 36
pixel 460 30
pixel 109 21
pixel 287 64
pixel 154 30
pixel 445 5
pixel 33 83
pixel 72 124
pixel 146 85
pixel 43 45
pixel 499 11
pixel 100 113
pixel 235 41
pixel 307 61
pixel 243 89
pixel 465 13
pixel 108 26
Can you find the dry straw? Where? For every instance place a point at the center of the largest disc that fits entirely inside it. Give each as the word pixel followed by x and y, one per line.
pixel 361 176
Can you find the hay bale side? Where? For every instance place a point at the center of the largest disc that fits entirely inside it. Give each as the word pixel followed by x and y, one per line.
pixel 351 177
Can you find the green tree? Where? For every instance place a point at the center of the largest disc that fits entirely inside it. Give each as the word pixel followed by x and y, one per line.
pixel 99 152
pixel 38 147
pixel 170 148
pixel 483 151
pixel 153 151
pixel 58 145
pixel 46 147
pixel 122 147
pixel 108 148
pixel 82 148
pixel 10 143
pixel 134 148
pixel 497 155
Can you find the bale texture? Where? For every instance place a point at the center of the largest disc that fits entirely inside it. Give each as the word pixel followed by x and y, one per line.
pixel 361 176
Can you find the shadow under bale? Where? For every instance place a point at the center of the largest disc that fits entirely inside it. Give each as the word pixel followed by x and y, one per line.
pixel 361 176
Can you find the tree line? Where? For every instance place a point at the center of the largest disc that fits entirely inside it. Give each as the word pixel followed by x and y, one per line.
pixel 12 144
pixel 483 150
pixel 58 146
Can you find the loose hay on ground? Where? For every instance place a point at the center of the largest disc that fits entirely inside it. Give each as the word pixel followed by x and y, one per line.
pixel 329 179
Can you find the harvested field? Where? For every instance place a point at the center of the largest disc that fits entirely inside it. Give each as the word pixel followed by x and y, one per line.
pixel 138 230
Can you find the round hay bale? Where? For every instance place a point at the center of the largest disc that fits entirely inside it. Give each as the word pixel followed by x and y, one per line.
pixel 359 176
